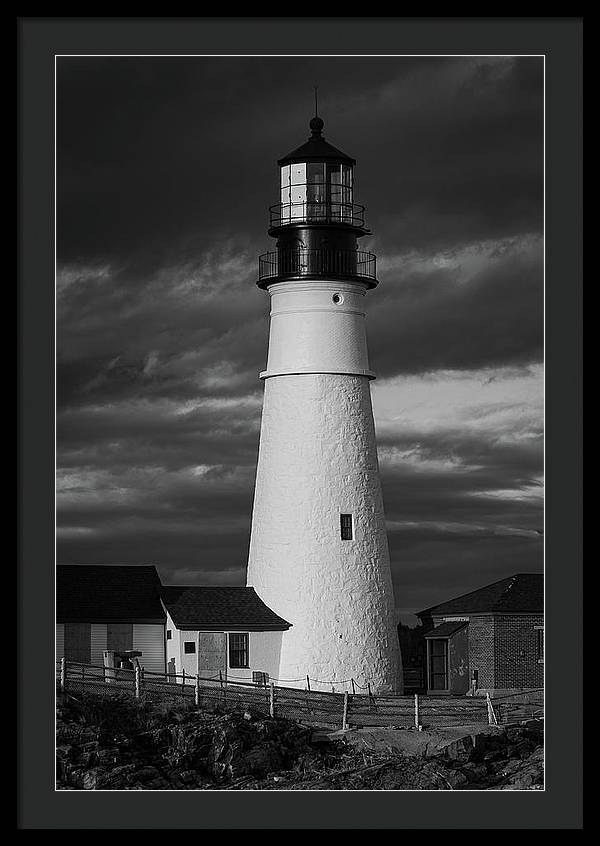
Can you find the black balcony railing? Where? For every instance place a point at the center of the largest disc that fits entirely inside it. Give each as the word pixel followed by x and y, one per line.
pixel 285 214
pixel 325 263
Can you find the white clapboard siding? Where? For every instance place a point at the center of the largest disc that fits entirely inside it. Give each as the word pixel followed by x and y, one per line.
pixel 60 641
pixel 149 639
pixel 98 643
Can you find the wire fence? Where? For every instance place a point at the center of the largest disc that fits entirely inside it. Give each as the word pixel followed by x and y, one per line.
pixel 317 708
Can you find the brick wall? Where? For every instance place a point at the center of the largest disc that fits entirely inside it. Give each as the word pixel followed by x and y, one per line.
pixel 516 651
pixel 504 649
pixel 481 649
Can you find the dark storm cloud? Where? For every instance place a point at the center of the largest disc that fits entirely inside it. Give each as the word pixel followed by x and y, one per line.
pixel 166 168
pixel 155 151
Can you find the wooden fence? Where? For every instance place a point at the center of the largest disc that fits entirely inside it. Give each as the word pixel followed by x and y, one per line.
pixel 317 708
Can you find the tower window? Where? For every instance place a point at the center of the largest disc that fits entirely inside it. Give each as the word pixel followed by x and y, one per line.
pixel 346 526
pixel 169 634
pixel 189 647
pixel 238 651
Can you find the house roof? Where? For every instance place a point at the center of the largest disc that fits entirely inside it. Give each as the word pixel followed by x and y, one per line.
pixel 518 594
pixel 446 629
pixel 202 607
pixel 98 593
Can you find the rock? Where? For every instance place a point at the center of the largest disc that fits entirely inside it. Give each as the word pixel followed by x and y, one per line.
pixel 491 757
pixel 93 778
pixel 509 767
pixel 460 749
pixel 158 784
pixel 63 753
pixel 260 760
pixel 86 759
pixel 475 772
pixel 108 756
pixel 456 778
pixel 145 774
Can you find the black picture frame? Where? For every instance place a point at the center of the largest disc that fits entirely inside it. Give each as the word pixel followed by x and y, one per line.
pixel 559 805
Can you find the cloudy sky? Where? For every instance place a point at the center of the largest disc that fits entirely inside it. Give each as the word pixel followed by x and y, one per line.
pixel 165 170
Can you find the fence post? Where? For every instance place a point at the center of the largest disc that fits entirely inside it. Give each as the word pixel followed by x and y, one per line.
pixel 353 688
pixel 82 677
pixel 416 710
pixel 345 714
pixel 272 700
pixel 308 683
pixel 197 691
pixel 491 713
pixel 63 673
pixel 137 682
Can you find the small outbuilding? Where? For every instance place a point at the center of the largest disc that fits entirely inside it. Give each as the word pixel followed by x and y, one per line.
pixel 491 639
pixel 222 630
pixel 109 608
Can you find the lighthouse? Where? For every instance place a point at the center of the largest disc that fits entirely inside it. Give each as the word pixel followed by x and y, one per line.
pixel 318 548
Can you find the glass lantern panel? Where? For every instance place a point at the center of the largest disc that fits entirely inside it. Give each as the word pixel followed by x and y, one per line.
pixel 298 191
pixel 334 177
pixel 285 193
pixel 346 198
pixel 316 190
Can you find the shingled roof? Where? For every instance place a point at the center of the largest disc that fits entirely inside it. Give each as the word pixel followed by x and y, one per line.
pixel 99 593
pixel 202 608
pixel 519 594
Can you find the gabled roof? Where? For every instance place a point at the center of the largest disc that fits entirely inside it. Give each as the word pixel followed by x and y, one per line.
pixel 202 608
pixel 446 629
pixel 518 594
pixel 99 593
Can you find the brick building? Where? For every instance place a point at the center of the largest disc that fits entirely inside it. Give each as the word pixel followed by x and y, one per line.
pixel 491 638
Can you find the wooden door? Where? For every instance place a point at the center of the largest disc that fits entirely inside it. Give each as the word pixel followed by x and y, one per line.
pixel 212 654
pixel 78 642
pixel 438 664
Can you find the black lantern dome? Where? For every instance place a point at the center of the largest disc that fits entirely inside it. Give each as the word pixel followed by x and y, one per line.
pixel 316 223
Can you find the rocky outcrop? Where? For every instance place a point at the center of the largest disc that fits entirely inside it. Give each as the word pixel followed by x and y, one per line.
pixel 113 743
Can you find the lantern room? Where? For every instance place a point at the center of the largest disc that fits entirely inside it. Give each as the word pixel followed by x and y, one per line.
pixel 316 185
pixel 316 222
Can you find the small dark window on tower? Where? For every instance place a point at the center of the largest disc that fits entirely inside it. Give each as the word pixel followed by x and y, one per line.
pixel 189 646
pixel 169 633
pixel 346 526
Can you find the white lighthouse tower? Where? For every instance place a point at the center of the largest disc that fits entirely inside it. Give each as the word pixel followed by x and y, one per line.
pixel 318 549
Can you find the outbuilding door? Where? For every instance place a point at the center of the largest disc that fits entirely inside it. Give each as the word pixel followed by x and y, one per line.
pixel 438 664
pixel 212 654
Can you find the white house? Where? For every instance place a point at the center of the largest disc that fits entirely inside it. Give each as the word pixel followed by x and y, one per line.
pixel 117 608
pixel 227 630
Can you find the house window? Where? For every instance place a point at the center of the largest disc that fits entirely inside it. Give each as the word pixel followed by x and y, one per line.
pixel 169 634
pixel 540 643
pixel 189 647
pixel 346 526
pixel 238 651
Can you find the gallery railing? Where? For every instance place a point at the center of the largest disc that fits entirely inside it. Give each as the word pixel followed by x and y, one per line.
pixel 283 214
pixel 325 263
